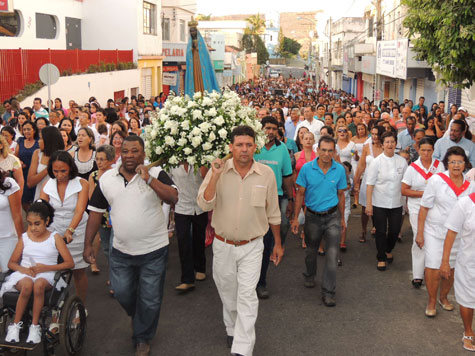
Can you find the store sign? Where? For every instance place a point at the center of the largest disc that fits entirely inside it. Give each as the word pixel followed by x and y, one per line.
pixel 173 52
pixel 391 58
pixel 170 68
pixel 169 79
pixel 6 5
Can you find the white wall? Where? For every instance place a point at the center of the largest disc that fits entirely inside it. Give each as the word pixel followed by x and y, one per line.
pixel 148 45
pixel 28 8
pixel 107 26
pixel 81 87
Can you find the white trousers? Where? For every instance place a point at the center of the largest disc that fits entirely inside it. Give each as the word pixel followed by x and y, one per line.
pixel 418 258
pixel 236 271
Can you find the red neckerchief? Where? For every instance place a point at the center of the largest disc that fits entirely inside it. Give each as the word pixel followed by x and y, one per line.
pixel 451 184
pixel 425 175
pixel 472 196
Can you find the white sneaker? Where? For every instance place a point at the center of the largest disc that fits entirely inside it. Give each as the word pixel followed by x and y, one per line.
pixel 34 336
pixel 13 334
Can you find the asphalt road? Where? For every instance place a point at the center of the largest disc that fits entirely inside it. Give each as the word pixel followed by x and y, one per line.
pixel 377 313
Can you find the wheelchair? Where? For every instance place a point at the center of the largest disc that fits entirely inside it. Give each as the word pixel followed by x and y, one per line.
pixel 58 304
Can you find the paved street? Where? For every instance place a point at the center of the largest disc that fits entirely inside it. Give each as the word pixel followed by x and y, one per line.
pixel 376 313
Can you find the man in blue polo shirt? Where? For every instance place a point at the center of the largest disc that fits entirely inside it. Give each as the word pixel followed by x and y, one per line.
pixel 322 183
pixel 275 155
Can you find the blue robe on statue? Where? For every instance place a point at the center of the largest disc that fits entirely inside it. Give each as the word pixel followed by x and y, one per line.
pixel 209 78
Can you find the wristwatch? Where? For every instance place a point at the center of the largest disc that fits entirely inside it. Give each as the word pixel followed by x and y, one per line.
pixel 71 230
pixel 150 178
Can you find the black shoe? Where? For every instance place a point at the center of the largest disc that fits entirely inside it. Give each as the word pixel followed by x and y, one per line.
pixel 309 282
pixel 340 263
pixel 381 268
pixel 321 253
pixel 389 259
pixel 328 301
pixel 262 292
pixel 238 355
pixel 417 283
pixel 229 341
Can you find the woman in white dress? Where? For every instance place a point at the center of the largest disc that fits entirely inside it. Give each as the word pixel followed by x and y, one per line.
pixel 462 221
pixel 413 185
pixel 50 140
pixel 383 198
pixel 371 150
pixel 11 226
pixel 440 196
pixel 68 194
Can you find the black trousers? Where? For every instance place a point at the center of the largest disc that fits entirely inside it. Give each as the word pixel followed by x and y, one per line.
pixel 388 224
pixel 191 234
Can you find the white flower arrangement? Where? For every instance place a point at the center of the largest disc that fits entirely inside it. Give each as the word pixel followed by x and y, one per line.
pixel 197 130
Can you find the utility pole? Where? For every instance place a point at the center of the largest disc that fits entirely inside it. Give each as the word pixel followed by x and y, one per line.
pixel 330 57
pixel 379 32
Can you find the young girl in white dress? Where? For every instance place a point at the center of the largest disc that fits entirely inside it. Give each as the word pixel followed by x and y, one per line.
pixel 35 261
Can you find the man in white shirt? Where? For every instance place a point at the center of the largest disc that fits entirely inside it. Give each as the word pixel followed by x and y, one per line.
pixel 310 123
pixel 139 254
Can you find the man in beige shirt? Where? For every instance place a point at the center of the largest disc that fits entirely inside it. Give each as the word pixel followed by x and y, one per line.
pixel 243 196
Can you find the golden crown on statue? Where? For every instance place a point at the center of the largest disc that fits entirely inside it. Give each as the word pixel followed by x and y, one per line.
pixel 193 22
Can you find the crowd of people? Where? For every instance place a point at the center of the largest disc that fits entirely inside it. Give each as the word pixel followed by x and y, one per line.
pixel 76 172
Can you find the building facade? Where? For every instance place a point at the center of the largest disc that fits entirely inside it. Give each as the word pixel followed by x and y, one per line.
pixel 73 24
pixel 175 16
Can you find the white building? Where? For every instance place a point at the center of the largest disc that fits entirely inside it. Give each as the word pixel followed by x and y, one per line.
pixel 232 30
pixel 91 25
pixel 342 31
pixel 175 16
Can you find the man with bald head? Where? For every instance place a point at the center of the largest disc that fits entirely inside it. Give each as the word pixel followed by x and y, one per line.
pixel 401 123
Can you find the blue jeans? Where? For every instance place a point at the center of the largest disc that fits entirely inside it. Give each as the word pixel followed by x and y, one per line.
pixel 327 227
pixel 269 240
pixel 138 284
pixel 106 234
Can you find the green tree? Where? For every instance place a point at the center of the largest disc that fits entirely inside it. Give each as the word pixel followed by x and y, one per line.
pixel 287 47
pixel 255 44
pixel 443 34
pixel 202 17
pixel 256 25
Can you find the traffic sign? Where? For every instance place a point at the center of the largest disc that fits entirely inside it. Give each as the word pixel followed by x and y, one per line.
pixel 49 74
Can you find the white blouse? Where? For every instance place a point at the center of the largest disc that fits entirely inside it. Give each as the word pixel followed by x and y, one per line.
pixel 440 199
pixel 462 221
pixel 418 182
pixel 385 174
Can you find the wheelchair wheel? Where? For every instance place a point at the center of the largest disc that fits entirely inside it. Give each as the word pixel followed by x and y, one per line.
pixel 72 329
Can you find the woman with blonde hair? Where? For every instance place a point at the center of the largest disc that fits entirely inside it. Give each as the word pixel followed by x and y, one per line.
pixel 10 164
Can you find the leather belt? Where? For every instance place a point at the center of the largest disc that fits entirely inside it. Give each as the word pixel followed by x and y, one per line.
pixel 235 242
pixel 323 213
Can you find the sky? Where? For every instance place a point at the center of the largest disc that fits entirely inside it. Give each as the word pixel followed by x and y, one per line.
pixel 334 8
